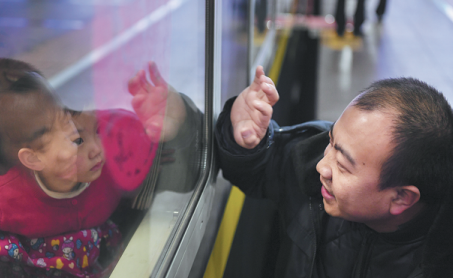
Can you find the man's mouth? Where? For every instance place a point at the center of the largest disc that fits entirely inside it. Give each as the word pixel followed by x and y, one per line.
pixel 326 194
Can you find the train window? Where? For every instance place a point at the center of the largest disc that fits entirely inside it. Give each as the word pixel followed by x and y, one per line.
pixel 131 76
pixel 262 34
pixel 235 33
pixel 262 23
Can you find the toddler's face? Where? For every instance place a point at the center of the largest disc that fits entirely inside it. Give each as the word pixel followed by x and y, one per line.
pixel 59 153
pixel 90 155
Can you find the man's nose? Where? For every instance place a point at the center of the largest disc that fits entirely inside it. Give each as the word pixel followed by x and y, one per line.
pixel 323 167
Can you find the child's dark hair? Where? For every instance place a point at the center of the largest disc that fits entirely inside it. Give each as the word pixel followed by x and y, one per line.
pixel 22 87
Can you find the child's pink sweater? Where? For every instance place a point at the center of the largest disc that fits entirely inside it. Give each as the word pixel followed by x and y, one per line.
pixel 26 210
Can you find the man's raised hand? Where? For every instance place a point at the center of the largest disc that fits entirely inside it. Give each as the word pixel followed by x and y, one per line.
pixel 252 110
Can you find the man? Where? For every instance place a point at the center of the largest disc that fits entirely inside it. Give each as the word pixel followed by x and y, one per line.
pixel 368 196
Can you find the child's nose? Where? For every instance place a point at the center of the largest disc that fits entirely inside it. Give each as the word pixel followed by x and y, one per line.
pixel 95 150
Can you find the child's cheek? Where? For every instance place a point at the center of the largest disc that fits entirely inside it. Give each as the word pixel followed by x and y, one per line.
pixel 80 162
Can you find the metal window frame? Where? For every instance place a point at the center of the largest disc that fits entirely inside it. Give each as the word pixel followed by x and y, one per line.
pixel 186 239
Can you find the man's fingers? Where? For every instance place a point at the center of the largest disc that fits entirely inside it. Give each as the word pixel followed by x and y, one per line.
pixel 247 135
pixel 265 84
pixel 266 79
pixel 264 107
pixel 259 71
pixel 155 76
pixel 251 142
pixel 271 92
pixel 246 138
pixel 256 81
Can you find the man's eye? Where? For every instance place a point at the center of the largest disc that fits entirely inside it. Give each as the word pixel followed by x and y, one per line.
pixel 78 141
pixel 341 168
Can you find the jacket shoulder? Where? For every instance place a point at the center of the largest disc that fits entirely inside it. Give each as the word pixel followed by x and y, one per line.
pixel 319 126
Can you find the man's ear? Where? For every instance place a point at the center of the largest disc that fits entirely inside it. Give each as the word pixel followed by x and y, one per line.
pixel 406 197
pixel 30 160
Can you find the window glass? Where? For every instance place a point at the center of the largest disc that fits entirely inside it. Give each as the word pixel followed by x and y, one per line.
pixel 234 47
pixel 263 23
pixel 120 162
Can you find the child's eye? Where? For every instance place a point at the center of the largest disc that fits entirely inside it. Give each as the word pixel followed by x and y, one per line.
pixel 78 141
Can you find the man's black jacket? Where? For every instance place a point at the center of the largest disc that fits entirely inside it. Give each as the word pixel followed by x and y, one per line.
pixel 282 168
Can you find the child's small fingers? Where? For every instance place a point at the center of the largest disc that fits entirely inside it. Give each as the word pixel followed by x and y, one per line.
pixel 155 76
pixel 133 85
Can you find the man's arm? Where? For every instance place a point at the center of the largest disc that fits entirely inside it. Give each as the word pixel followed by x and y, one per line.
pixel 266 167
pixel 243 139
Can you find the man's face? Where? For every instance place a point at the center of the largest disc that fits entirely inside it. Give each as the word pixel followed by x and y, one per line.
pixel 360 142
pixel 59 153
pixel 90 155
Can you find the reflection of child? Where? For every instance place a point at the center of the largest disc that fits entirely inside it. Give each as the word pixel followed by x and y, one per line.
pixel 67 195
pixel 71 255
pixel 51 200
pixel 82 248
pixel 28 112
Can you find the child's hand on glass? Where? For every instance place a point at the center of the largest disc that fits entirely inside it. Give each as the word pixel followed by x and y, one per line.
pixel 159 107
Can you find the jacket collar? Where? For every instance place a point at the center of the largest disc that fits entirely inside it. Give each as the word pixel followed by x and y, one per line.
pixel 414 229
pixel 305 155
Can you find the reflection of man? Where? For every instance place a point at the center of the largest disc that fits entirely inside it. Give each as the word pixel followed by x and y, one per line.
pixel 379 204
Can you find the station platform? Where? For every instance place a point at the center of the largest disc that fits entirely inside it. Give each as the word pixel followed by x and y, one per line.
pixel 414 39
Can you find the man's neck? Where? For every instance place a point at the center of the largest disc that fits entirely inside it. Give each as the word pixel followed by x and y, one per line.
pixel 395 221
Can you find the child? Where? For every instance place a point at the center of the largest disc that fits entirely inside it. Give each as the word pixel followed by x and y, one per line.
pixel 49 205
pixel 63 207
pixel 72 253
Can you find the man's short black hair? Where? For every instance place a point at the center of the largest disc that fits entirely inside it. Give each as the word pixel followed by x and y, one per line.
pixel 422 134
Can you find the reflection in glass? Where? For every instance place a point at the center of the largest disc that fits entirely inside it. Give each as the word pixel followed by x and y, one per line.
pixel 234 47
pixel 135 170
